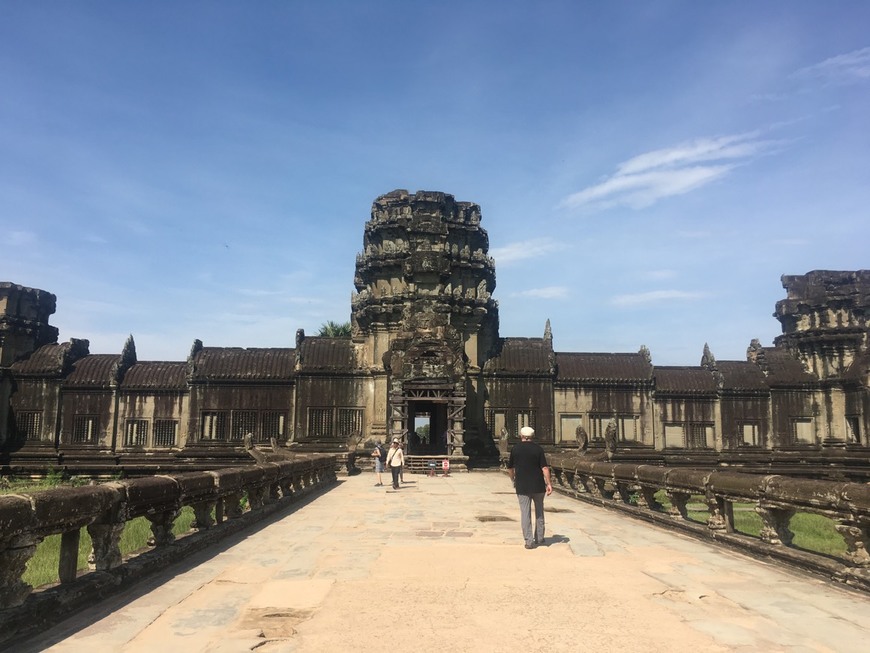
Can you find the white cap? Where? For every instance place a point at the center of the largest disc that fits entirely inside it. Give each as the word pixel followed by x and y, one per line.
pixel 527 432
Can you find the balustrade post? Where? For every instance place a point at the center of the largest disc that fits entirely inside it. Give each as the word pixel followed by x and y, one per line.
pixel 161 527
pixel 775 529
pixel 646 498
pixel 256 497
pixel 623 491
pixel 202 514
pixel 717 521
pixel 106 538
pixel 679 501
pixel 68 567
pixel 14 555
pixel 232 505
pixel 857 540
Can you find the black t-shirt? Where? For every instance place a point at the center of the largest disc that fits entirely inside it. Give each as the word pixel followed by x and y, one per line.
pixel 528 460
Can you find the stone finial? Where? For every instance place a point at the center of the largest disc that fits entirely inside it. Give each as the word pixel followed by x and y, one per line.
pixel 755 354
pixel 127 360
pixel 548 331
pixel 645 353
pixel 708 360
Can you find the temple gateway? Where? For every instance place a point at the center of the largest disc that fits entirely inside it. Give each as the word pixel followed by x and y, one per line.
pixel 425 347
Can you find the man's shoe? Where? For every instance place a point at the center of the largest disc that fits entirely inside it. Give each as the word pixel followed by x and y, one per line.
pixel 530 546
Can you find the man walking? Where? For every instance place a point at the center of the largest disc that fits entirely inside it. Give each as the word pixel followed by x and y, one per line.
pixel 528 469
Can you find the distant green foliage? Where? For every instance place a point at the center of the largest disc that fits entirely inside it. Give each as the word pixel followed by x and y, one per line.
pixel 332 329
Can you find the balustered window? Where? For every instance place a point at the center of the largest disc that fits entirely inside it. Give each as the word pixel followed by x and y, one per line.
pixel 214 425
pixel 525 418
pixel 85 429
pixel 700 435
pixel 568 427
pixel 675 435
pixel 802 430
pixel 350 420
pixel 29 425
pixel 273 425
pixel 165 432
pixel 136 434
pixel 244 422
pixel 320 422
pixel 496 420
pixel 629 427
pixel 750 435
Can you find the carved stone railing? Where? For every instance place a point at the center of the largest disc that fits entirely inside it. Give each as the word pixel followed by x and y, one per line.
pixel 216 498
pixel 632 488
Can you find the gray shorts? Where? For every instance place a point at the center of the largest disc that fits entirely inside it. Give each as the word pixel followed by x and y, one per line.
pixel 379 466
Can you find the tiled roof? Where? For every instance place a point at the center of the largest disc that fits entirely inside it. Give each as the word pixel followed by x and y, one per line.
pixel 156 375
pixel 603 368
pixel 785 369
pixel 94 371
pixel 237 364
pixel 328 354
pixel 741 375
pixel 684 380
pixel 519 355
pixel 46 360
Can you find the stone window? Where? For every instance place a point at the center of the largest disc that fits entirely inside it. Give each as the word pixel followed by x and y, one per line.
pixel 29 425
pixel 597 426
pixel 496 420
pixel 320 422
pixel 853 429
pixel 85 429
pixel 802 430
pixel 675 435
pixel 214 425
pixel 629 427
pixel 136 434
pixel 700 436
pixel 525 418
pixel 749 434
pixel 244 422
pixel 273 425
pixel 350 420
pixel 568 427
pixel 165 431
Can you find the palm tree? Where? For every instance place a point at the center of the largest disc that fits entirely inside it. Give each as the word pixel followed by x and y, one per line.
pixel 332 329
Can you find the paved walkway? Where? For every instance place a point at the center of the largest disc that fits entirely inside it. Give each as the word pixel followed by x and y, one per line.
pixel 440 565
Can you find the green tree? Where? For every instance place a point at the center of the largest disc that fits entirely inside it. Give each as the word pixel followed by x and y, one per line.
pixel 332 329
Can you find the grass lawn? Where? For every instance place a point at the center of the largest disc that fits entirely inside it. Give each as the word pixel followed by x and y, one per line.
pixel 812 532
pixel 42 567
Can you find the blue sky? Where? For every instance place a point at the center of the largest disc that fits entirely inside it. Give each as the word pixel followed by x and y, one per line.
pixel 646 170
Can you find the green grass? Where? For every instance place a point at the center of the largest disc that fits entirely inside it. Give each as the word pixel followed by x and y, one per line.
pixel 812 532
pixel 42 567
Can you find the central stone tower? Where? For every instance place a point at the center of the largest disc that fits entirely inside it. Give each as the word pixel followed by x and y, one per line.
pixel 423 317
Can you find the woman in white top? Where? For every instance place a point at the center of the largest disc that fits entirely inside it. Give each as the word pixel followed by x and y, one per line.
pixel 395 460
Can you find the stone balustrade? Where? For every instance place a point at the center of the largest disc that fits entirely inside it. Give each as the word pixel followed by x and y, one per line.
pixel 216 498
pixel 633 488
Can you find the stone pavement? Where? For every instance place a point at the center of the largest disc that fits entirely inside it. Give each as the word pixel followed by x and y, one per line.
pixel 440 564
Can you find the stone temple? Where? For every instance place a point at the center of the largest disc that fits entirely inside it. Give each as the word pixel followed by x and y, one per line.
pixel 425 344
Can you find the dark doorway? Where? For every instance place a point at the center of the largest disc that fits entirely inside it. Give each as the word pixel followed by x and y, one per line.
pixel 427 428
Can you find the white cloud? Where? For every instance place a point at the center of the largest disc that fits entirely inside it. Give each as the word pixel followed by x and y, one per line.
pixel 649 177
pixel 549 292
pixel 656 296
pixel 526 249
pixel 844 68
